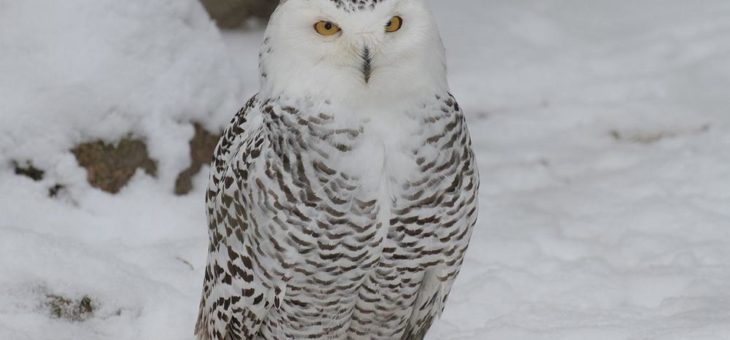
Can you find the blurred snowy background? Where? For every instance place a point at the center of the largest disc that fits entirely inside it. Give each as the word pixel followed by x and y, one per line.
pixel 603 136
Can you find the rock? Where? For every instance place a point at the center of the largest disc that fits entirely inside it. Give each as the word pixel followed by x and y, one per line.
pixel 233 13
pixel 201 153
pixel 110 167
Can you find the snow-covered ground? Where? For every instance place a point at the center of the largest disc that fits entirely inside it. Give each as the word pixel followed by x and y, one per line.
pixel 602 130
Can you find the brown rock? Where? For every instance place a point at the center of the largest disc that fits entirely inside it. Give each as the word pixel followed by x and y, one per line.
pixel 233 13
pixel 201 153
pixel 110 167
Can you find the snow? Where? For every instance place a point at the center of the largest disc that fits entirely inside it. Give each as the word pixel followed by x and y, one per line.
pixel 85 69
pixel 602 132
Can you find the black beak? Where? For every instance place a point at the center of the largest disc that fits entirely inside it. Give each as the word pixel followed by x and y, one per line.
pixel 367 66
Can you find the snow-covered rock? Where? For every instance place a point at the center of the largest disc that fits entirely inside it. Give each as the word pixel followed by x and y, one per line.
pixel 81 70
pixel 77 71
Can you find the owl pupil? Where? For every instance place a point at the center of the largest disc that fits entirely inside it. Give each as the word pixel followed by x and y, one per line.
pixel 328 26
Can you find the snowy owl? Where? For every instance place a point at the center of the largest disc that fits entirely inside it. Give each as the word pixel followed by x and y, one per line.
pixel 343 195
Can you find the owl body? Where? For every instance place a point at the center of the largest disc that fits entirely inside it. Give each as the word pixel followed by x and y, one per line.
pixel 341 213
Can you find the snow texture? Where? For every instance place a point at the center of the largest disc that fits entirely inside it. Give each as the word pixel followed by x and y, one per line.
pixel 602 130
pixel 80 70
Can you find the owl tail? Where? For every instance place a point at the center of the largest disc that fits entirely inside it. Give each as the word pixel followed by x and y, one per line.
pixel 429 304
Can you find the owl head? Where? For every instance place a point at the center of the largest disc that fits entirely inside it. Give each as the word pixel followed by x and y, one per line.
pixel 352 50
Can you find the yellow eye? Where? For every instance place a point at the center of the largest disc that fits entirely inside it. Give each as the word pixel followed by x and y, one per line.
pixel 326 28
pixel 394 24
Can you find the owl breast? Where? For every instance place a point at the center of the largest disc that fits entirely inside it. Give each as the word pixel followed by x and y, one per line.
pixel 354 214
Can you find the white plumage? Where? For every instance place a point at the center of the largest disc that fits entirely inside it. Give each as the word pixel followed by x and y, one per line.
pixel 343 195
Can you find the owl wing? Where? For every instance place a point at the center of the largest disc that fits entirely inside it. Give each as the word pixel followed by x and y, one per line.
pixel 236 296
pixel 448 215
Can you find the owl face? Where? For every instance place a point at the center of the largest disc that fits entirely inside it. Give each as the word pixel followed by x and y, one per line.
pixel 352 50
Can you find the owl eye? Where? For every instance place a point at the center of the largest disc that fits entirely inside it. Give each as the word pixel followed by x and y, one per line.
pixel 326 28
pixel 394 24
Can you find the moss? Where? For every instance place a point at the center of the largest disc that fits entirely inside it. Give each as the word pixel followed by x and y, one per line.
pixel 641 137
pixel 61 307
pixel 28 170
pixel 55 190
pixel 86 306
pixel 653 137
pixel 57 305
pixel 36 174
